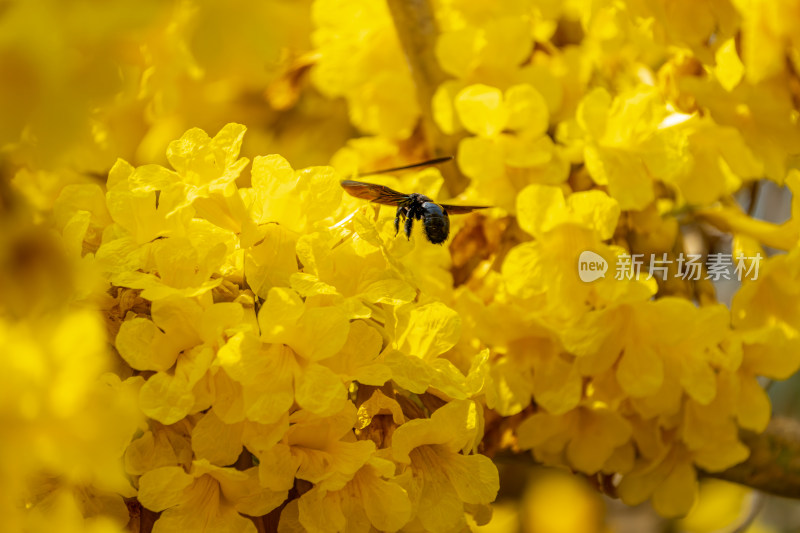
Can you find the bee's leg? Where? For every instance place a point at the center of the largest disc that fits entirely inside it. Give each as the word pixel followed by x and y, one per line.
pixel 408 225
pixel 412 212
pixel 400 213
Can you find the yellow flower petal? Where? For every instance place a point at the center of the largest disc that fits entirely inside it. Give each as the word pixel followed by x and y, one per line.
pixel 431 330
pixel 597 210
pixel 386 504
pixel 481 159
pixel 166 398
pixel 217 442
pixel 753 405
pixel 319 389
pixel 408 371
pixel 481 110
pixel 601 431
pixel 144 346
pixel 540 208
pixel 593 111
pixel 164 487
pixel 377 404
pixel 357 360
pixel 271 262
pixel 444 112
pixel 557 386
pixel 527 109
pixel 474 477
pixel 277 468
pixel 676 494
pixel 640 370
pixel 730 69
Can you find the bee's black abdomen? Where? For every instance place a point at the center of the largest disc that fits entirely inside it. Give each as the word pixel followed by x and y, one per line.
pixel 435 222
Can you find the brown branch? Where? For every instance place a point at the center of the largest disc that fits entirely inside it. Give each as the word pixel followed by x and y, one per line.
pixel 774 462
pixel 416 28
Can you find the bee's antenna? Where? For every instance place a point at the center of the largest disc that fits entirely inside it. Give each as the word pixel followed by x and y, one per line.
pixel 415 165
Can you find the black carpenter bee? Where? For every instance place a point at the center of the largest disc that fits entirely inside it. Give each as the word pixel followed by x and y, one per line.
pixel 435 217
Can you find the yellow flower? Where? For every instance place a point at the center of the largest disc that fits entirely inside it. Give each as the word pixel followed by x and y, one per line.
pixel 689 24
pixel 207 497
pixel 543 275
pixel 710 434
pixel 730 69
pixel 221 442
pixel 719 159
pixel 357 270
pixel 776 276
pixel 359 360
pixel 484 40
pixel 268 379
pixel 321 450
pixel 542 207
pixel 669 483
pixel 297 200
pixel 370 498
pixel 77 203
pixel 360 58
pixel 510 148
pixel 666 474
pixel 68 424
pixel 208 165
pixel 184 270
pixel 665 470
pixel 763 114
pixel 486 111
pixel 139 217
pixel 423 334
pixel 768 334
pixel 768 28
pixel 625 149
pixel 160 446
pixel 584 438
pixel 184 335
pixel 300 363
pixel 439 479
pixel 273 318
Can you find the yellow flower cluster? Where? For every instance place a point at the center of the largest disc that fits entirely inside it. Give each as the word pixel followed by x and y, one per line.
pixel 63 429
pixel 265 321
pixel 603 126
pixel 272 349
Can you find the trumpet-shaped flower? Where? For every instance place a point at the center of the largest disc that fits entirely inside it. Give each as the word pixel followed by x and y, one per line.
pixel 625 149
pixel 584 438
pixel 510 132
pixel 360 58
pixel 224 493
pixel 321 450
pixel 440 479
pixel 184 335
pixel 371 499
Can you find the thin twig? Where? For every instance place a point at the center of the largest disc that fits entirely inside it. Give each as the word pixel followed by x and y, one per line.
pixel 416 28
